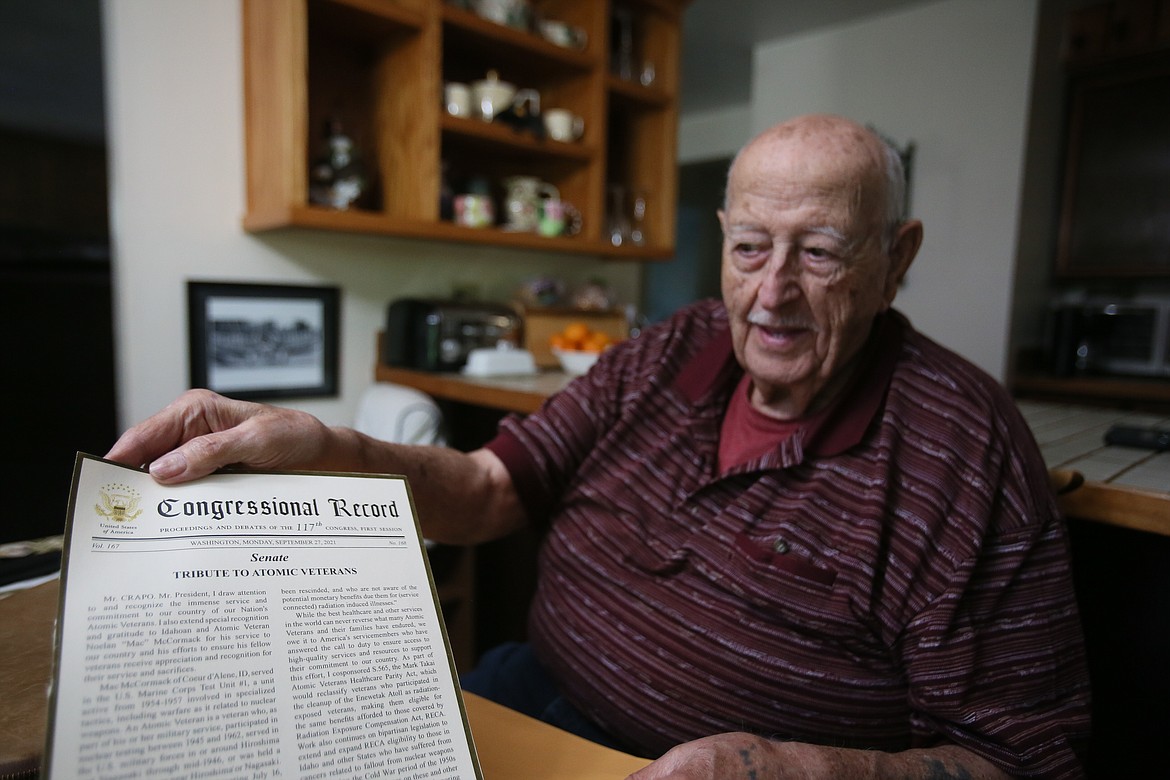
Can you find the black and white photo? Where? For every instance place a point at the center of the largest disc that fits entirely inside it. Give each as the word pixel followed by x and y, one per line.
pixel 260 341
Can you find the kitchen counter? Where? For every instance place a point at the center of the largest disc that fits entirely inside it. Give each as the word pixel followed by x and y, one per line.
pixel 1073 437
pixel 521 394
pixel 1124 486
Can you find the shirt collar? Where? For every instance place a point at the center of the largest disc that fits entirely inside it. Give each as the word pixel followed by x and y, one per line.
pixel 713 372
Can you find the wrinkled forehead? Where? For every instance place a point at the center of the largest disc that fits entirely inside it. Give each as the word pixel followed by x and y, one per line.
pixel 834 163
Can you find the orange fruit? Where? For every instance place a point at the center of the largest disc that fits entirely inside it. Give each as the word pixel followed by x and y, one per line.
pixel 558 341
pixel 576 332
pixel 595 342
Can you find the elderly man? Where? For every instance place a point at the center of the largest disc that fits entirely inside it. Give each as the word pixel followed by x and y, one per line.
pixel 788 536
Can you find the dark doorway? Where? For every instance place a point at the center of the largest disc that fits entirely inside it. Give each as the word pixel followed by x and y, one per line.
pixel 694 272
pixel 55 292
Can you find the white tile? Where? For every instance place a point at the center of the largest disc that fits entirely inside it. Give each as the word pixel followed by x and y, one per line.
pixel 1060 454
pixel 1095 470
pixel 1073 437
pixel 1107 464
pixel 1153 474
pixel 1125 456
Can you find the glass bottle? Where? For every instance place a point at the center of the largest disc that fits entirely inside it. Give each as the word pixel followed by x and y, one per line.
pixel 638 217
pixel 617 217
pixel 337 177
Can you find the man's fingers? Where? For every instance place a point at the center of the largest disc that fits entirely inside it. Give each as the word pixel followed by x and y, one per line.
pixel 176 435
pixel 202 432
pixel 196 458
pixel 146 441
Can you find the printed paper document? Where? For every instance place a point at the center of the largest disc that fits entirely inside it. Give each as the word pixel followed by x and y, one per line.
pixel 250 625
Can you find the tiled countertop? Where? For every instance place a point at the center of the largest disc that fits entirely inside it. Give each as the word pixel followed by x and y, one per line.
pixel 1073 437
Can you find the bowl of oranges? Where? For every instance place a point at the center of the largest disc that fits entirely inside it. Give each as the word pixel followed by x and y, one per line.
pixel 577 347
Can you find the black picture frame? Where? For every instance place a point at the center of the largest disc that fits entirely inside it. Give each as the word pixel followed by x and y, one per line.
pixel 263 341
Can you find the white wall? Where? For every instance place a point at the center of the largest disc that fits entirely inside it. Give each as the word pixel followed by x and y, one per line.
pixel 714 134
pixel 175 131
pixel 953 76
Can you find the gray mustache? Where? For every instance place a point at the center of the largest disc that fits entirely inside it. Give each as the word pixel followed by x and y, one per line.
pixel 765 320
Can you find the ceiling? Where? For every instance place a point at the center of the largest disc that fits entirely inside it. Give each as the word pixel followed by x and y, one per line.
pixel 719 35
pixel 51 64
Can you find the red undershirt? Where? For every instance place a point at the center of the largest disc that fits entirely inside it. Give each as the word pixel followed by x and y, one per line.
pixel 747 433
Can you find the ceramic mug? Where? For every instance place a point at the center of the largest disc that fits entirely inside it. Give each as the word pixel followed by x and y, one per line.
pixel 457 98
pixel 513 13
pixel 474 210
pixel 562 33
pixel 563 125
pixel 558 218
pixel 552 217
pixel 522 199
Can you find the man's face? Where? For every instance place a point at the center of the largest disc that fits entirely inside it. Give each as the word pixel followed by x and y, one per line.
pixel 804 269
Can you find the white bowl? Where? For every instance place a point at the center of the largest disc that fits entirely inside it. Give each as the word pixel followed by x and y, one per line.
pixel 574 361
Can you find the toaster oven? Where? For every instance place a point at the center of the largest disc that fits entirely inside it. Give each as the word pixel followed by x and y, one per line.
pixel 438 335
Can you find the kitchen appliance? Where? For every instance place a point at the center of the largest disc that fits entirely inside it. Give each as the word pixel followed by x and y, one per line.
pixel 438 335
pixel 1110 336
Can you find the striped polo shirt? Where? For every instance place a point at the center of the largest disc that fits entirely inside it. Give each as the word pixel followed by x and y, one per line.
pixel 896 576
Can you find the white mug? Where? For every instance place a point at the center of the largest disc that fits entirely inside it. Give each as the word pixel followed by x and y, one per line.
pixel 514 13
pixel 562 33
pixel 563 125
pixel 458 99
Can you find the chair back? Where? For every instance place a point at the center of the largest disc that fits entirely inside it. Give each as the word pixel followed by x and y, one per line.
pixel 399 414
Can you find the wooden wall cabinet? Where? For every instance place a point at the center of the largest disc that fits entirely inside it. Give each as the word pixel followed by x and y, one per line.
pixel 1115 28
pixel 1116 193
pixel 379 67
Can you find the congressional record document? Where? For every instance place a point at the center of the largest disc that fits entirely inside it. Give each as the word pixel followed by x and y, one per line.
pixel 275 625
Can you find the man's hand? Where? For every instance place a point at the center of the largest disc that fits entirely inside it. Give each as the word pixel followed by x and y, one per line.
pixel 202 431
pixel 729 757
pixel 738 755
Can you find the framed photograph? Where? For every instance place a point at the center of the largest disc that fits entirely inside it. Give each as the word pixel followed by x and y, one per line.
pixel 263 341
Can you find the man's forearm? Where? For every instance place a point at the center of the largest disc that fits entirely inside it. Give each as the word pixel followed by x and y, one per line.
pixel 947 762
pixel 461 498
pixel 746 756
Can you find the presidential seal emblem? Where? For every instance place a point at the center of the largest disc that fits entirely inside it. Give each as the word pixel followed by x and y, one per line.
pixel 118 503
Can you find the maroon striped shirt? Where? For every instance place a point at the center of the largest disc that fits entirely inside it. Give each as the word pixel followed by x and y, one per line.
pixel 895 577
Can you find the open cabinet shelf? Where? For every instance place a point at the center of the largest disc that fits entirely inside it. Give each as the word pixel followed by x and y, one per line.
pixel 377 69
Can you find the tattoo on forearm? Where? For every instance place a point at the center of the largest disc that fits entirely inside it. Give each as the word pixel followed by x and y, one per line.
pixel 745 755
pixel 937 770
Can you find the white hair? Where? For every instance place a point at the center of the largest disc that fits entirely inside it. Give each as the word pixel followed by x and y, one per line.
pixel 895 175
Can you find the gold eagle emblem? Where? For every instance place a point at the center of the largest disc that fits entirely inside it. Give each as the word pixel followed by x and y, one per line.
pixel 118 503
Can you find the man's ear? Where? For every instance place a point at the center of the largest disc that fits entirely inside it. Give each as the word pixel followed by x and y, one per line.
pixel 903 250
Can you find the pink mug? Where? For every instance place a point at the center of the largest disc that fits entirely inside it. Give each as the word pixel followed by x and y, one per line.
pixel 474 210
